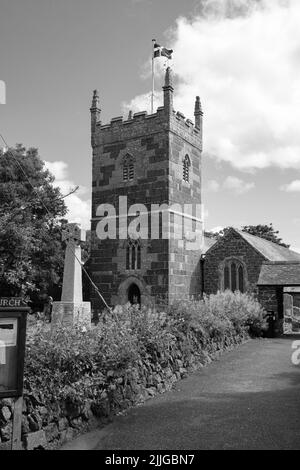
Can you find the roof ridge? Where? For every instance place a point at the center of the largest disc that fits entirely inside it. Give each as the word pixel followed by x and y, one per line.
pixel 264 239
pixel 267 243
pixel 274 263
pixel 284 274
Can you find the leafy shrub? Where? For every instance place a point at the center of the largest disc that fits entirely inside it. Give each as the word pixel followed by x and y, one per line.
pixel 219 314
pixel 73 365
pixel 242 310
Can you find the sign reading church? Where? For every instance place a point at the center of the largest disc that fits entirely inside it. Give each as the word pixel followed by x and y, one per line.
pixel 13 313
pixel 12 302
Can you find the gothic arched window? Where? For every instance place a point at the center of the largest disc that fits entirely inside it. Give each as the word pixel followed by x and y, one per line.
pixel 128 168
pixel 241 279
pixel 186 169
pixel 226 278
pixel 133 254
pixel 233 275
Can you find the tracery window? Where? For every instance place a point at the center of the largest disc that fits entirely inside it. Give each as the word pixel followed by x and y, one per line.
pixel 186 169
pixel 133 254
pixel 233 275
pixel 128 168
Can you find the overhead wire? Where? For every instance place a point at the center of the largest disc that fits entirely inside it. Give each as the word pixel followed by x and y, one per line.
pixel 52 216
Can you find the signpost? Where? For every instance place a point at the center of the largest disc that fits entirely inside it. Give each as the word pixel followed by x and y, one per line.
pixel 13 316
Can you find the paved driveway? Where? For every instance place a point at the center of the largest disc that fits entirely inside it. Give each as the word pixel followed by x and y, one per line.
pixel 248 399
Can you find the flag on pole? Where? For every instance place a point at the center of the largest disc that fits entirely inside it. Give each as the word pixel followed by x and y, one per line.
pixel 162 51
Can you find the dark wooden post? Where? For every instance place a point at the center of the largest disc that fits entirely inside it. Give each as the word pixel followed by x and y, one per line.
pixel 17 424
pixel 13 312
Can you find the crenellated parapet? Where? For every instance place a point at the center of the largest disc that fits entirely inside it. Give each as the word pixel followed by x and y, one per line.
pixel 186 129
pixel 142 123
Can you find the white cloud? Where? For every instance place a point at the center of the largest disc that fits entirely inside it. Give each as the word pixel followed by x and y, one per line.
pixel 79 210
pixel 227 8
pixel 237 185
pixel 243 58
pixel 205 215
pixel 217 229
pixel 213 186
pixel 295 248
pixel 58 169
pixel 294 186
pixel 2 92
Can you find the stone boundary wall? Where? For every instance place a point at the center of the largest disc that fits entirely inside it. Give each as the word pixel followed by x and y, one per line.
pixel 47 426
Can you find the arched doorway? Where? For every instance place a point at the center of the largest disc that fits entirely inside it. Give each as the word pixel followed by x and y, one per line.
pixel 134 295
pixel 122 297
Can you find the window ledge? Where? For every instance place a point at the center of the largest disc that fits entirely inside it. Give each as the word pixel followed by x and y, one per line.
pixel 129 183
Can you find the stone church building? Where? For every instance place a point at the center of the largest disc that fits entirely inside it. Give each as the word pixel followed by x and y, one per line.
pixel 241 261
pixel 156 159
pixel 153 160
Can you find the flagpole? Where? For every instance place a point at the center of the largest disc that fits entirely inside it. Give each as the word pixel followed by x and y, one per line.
pixel 152 94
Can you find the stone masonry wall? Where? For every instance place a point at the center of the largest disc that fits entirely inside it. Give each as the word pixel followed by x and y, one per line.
pixel 271 299
pixel 184 264
pixel 48 424
pixel 232 245
pixel 158 144
pixel 145 138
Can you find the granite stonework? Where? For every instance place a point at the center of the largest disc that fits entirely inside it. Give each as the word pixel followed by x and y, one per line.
pixel 234 246
pixel 71 309
pixel 268 267
pixel 271 299
pixel 278 286
pixel 158 144
pixel 71 313
pixel 48 422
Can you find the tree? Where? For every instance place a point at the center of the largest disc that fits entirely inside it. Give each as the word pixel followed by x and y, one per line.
pixel 31 251
pixel 265 231
pixel 210 234
pixel 217 235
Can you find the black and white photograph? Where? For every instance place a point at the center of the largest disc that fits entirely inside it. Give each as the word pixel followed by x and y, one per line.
pixel 149 228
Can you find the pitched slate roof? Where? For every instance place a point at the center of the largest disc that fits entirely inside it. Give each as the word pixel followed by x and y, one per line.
pixel 283 274
pixel 271 251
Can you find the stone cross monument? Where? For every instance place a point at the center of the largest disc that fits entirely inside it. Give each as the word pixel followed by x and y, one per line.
pixel 71 309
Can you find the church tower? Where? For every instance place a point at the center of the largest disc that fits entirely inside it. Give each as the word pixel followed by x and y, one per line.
pixel 154 161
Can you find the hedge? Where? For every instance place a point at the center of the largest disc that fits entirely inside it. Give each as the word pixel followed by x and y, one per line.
pixel 75 377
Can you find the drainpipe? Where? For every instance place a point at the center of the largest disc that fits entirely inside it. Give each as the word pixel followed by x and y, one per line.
pixel 202 260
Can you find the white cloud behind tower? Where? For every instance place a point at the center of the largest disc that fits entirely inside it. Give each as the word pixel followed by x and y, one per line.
pixel 243 58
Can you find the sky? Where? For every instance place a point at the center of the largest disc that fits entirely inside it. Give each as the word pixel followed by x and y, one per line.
pixel 241 56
